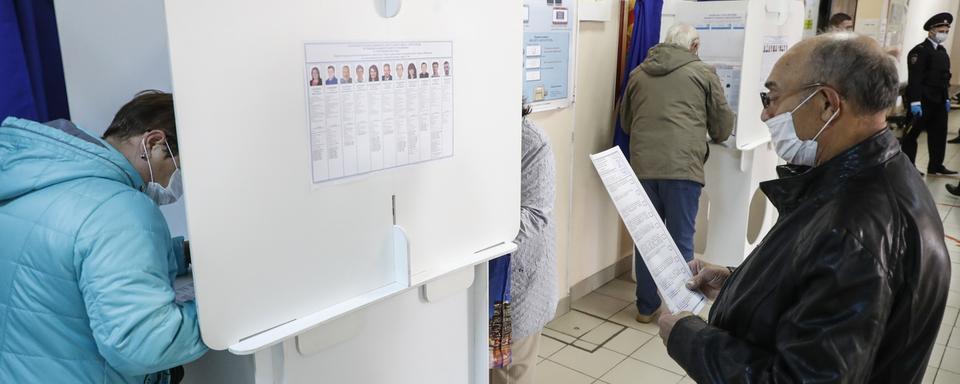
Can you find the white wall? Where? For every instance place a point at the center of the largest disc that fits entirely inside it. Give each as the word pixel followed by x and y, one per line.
pixel 113 49
pixel 595 234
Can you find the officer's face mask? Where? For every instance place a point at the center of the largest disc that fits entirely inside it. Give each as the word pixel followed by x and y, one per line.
pixel 940 37
pixel 786 142
pixel 158 193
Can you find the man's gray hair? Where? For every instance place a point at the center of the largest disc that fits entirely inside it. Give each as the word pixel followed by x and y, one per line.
pixel 863 74
pixel 683 35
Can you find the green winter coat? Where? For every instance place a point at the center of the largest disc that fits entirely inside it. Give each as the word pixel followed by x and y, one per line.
pixel 672 104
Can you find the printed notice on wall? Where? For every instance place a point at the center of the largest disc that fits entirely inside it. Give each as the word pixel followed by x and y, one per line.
pixel 773 48
pixel 657 249
pixel 377 105
pixel 721 33
pixel 722 36
pixel 549 44
pixel 729 74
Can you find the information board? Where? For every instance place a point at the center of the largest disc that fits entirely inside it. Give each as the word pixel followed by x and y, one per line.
pixel 549 39
pixel 721 44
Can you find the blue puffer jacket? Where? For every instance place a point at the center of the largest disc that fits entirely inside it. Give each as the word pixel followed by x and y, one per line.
pixel 86 264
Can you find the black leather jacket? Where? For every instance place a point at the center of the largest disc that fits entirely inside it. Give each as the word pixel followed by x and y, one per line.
pixel 848 287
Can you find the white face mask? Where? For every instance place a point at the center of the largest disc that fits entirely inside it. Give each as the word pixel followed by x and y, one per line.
pixel 940 37
pixel 786 142
pixel 158 193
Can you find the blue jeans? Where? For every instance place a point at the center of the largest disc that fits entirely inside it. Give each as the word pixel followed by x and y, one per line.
pixel 677 202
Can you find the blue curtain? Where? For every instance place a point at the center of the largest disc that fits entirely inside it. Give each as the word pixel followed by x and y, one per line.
pixel 31 70
pixel 645 34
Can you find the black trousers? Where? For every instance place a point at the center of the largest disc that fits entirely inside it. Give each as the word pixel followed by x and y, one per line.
pixel 934 121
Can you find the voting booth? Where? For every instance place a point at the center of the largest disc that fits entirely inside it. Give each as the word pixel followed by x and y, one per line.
pixel 743 40
pixel 347 175
pixel 345 182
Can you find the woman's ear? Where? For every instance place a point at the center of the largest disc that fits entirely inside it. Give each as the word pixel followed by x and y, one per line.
pixel 153 139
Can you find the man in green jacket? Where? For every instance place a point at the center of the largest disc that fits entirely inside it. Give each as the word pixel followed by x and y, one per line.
pixel 672 103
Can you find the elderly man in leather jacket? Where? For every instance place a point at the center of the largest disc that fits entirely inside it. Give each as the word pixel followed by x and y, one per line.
pixel 850 284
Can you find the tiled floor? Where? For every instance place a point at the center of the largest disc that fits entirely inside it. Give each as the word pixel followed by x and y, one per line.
pixel 599 341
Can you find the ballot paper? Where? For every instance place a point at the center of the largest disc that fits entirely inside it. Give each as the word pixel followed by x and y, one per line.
pixel 661 255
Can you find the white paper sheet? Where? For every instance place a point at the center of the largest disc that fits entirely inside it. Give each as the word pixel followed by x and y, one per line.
pixel 773 48
pixel 661 255
pixel 729 74
pixel 721 33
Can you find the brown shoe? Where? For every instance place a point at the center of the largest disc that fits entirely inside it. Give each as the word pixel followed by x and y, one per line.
pixel 647 319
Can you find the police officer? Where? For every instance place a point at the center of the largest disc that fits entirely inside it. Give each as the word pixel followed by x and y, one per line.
pixel 927 85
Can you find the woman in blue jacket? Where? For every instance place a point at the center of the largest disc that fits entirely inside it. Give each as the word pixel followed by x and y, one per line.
pixel 86 260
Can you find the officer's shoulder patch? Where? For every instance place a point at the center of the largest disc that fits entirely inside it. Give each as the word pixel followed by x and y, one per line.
pixel 913 58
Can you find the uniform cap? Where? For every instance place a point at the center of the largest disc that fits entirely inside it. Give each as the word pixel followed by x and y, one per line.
pixel 938 20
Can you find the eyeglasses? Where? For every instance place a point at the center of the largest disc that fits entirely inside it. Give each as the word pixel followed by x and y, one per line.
pixel 765 96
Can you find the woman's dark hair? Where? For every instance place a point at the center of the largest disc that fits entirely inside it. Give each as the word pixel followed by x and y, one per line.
pixel 372 76
pixel 412 67
pixel 148 111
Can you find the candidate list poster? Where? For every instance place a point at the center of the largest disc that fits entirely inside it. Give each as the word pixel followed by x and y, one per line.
pixel 373 106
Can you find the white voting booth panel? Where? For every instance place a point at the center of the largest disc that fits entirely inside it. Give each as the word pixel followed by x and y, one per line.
pixel 734 220
pixel 430 347
pixel 402 340
pixel 277 252
pixel 114 48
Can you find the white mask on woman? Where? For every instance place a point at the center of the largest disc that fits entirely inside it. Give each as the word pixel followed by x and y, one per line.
pixel 158 193
pixel 786 142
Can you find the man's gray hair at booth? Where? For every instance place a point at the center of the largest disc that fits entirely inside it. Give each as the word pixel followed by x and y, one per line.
pixel 862 73
pixel 683 35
